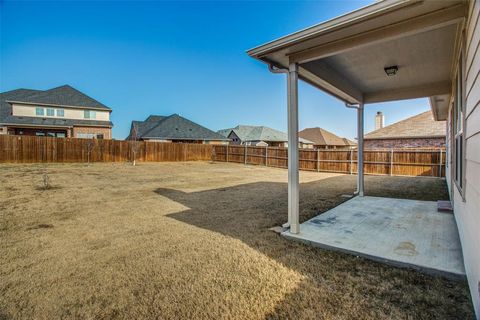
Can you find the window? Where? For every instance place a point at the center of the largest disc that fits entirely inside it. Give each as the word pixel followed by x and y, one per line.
pixel 89 114
pixel 60 113
pixel 39 111
pixel 458 120
pixel 86 135
pixel 99 135
pixel 61 135
pixel 50 112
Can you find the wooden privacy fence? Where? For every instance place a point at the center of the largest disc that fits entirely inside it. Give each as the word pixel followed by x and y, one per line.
pixel 402 162
pixel 29 149
pixel 406 162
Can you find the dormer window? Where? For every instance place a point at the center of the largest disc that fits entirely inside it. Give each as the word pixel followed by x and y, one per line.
pixel 50 112
pixel 39 111
pixel 60 113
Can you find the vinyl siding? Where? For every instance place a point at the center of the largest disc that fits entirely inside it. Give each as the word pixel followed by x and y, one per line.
pixel 467 210
pixel 70 113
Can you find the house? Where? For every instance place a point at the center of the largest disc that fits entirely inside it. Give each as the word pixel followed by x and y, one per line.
pixel 260 136
pixel 419 131
pixel 388 51
pixel 324 139
pixel 59 112
pixel 173 128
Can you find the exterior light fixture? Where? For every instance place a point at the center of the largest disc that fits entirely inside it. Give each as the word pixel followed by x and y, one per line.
pixel 391 71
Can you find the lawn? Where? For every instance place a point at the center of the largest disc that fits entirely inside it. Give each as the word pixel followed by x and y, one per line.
pixel 192 241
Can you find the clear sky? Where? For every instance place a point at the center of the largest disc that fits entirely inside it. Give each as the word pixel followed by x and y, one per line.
pixel 142 58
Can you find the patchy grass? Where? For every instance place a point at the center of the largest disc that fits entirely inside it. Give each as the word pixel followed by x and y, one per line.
pixel 191 241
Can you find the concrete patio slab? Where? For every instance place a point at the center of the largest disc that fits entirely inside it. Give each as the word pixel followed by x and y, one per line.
pixel 405 233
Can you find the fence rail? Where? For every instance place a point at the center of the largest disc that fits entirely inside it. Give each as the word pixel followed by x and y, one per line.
pixel 402 162
pixel 30 149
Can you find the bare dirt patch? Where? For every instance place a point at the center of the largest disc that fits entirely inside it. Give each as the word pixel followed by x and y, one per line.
pixel 192 241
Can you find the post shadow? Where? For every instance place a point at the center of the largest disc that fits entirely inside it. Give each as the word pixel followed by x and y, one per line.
pixel 247 211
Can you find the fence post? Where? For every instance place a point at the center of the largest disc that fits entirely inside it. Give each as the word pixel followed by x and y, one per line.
pixel 227 153
pixel 266 156
pixel 318 160
pixel 351 160
pixel 245 155
pixel 391 162
pixel 441 164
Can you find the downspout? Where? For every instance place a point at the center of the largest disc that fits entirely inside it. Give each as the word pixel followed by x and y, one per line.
pixel 360 179
pixel 293 162
pixel 274 69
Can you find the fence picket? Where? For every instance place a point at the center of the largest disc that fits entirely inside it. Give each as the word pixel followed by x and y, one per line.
pixel 406 162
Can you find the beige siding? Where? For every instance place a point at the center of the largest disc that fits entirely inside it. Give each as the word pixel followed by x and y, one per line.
pixel 467 210
pixel 78 114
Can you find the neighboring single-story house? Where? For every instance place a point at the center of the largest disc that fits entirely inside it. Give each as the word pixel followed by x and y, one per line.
pixel 324 139
pixel 420 131
pixel 59 112
pixel 388 51
pixel 260 136
pixel 173 128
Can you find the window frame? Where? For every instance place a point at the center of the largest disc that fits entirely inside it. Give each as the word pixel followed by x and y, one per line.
pixel 38 109
pixel 458 125
pixel 89 114
pixel 62 111
pixel 50 110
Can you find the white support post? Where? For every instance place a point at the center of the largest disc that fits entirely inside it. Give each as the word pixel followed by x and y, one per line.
pixel 360 180
pixel 293 176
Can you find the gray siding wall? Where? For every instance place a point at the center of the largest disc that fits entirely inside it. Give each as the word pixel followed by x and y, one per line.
pixel 467 210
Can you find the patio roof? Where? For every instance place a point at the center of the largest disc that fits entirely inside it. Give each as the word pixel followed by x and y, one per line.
pixel 346 56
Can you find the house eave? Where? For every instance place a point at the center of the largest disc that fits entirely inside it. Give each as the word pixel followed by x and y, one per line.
pixel 342 21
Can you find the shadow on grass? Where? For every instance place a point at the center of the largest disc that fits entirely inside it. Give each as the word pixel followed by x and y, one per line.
pixel 336 284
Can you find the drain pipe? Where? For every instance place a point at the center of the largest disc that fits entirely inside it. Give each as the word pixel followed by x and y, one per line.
pixel 360 181
pixel 274 69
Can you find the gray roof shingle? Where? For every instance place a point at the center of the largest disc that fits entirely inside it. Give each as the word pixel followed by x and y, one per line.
pixel 258 133
pixel 61 96
pixel 172 127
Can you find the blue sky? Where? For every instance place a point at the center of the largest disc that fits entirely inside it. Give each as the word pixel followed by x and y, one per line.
pixel 142 58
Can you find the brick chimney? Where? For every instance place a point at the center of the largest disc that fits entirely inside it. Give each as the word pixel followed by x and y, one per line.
pixel 379 120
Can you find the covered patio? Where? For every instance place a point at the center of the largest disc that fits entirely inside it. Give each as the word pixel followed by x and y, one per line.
pixel 390 50
pixel 405 233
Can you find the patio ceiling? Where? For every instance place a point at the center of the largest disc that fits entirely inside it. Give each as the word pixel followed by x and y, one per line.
pixel 346 56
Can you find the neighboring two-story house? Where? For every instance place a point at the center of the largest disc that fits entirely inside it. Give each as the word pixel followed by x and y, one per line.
pixel 58 112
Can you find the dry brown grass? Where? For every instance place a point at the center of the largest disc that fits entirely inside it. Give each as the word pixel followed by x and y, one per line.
pixel 191 241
